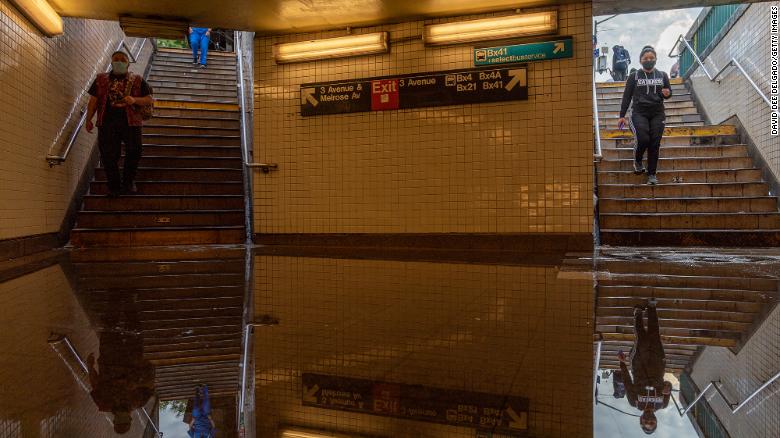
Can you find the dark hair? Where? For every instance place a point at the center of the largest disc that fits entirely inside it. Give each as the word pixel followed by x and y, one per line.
pixel 646 416
pixel 646 49
pixel 121 52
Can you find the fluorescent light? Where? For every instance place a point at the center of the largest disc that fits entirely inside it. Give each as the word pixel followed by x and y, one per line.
pixel 511 26
pixel 352 45
pixel 43 16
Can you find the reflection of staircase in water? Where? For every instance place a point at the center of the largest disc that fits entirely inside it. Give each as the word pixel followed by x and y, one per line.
pixel 701 300
pixel 190 309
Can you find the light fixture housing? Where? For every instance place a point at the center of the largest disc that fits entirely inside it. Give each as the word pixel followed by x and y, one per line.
pixel 510 26
pixel 42 15
pixel 341 47
pixel 296 432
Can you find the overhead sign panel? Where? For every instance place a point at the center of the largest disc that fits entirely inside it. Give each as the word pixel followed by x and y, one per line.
pixel 492 412
pixel 541 51
pixel 419 90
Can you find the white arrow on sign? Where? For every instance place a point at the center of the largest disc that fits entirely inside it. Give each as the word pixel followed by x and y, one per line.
pixel 307 95
pixel 517 421
pixel 559 47
pixel 518 77
pixel 310 394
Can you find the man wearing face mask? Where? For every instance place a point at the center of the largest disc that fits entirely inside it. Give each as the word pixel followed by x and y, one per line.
pixel 647 88
pixel 117 98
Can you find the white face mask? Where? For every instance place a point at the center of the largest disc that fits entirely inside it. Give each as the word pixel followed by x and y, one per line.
pixel 119 67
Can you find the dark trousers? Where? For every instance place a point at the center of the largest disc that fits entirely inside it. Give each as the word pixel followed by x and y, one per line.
pixel 110 139
pixel 647 359
pixel 648 130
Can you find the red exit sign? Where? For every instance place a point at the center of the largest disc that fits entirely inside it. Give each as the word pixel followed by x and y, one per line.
pixel 384 94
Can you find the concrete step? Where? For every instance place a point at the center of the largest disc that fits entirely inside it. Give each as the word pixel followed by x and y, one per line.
pixel 691 238
pixel 179 188
pixel 191 81
pixel 677 340
pixel 190 71
pixel 146 174
pixel 617 98
pixel 108 282
pixel 159 296
pixel 190 130
pixel 181 97
pixel 677 140
pixel 625 153
pixel 168 51
pixel 163 202
pixel 193 92
pixel 665 304
pixel 219 66
pixel 615 107
pixel 625 324
pixel 132 268
pixel 759 204
pixel 119 237
pixel 151 219
pixel 748 175
pixel 680 314
pixel 192 151
pixel 683 163
pixel 690 281
pixel 669 293
pixel 678 109
pixel 204 140
pixel 173 84
pixel 690 221
pixel 199 114
pixel 197 162
pixel 674 121
pixel 699 131
pixel 159 123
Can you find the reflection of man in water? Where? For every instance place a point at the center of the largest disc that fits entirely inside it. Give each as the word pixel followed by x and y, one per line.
pixel 124 380
pixel 645 385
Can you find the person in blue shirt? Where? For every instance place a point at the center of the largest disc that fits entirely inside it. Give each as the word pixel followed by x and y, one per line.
pixel 199 40
pixel 201 424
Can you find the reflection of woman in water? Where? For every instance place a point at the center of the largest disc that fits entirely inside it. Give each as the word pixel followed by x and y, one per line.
pixel 124 380
pixel 201 425
pixel 646 388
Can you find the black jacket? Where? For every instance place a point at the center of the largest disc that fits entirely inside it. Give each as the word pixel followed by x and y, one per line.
pixel 644 89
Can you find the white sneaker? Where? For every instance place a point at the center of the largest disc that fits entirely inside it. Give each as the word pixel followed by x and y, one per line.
pixel 652 180
pixel 638 167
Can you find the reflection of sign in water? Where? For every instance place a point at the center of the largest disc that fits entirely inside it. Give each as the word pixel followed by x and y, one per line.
pixel 415 91
pixel 508 415
pixel 560 48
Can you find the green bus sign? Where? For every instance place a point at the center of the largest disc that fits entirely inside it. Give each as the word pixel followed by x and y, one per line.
pixel 542 51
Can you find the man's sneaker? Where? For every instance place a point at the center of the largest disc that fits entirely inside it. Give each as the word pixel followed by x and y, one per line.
pixel 194 62
pixel 638 309
pixel 652 302
pixel 652 180
pixel 202 66
pixel 638 168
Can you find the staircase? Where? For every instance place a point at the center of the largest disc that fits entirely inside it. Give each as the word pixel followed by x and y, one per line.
pixel 709 193
pixel 190 308
pixel 190 179
pixel 702 300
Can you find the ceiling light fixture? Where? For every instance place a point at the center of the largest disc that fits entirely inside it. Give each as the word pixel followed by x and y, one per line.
pixel 42 15
pixel 306 433
pixel 341 47
pixel 537 23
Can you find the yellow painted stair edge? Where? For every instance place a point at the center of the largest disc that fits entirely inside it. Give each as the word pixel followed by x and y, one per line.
pixel 677 131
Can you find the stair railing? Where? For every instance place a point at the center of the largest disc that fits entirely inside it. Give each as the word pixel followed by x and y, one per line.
pixel 733 407
pixel 715 78
pixel 265 167
pixel 54 159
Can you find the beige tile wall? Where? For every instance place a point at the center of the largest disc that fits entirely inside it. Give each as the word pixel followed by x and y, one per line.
pixel 507 330
pixel 748 42
pixel 495 167
pixel 40 78
pixel 740 375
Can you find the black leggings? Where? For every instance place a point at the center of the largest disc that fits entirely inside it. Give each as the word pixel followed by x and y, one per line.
pixel 110 139
pixel 648 130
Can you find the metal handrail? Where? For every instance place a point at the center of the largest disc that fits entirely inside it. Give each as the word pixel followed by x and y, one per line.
pixel 732 62
pixel 265 167
pixel 733 407
pixel 54 160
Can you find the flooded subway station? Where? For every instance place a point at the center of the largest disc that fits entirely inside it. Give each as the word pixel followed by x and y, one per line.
pixel 388 219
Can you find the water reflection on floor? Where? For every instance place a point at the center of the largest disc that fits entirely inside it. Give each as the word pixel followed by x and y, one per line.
pixel 347 345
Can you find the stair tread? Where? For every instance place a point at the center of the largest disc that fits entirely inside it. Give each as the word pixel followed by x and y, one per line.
pixel 114 212
pixel 194 227
pixel 642 184
pixel 688 198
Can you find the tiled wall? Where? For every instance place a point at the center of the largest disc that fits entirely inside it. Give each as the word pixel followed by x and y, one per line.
pixel 505 330
pixel 40 78
pixel 38 395
pixel 740 375
pixel 748 42
pixel 523 166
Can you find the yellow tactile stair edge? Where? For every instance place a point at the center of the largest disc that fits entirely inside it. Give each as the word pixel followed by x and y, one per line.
pixel 621 84
pixel 176 104
pixel 677 131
